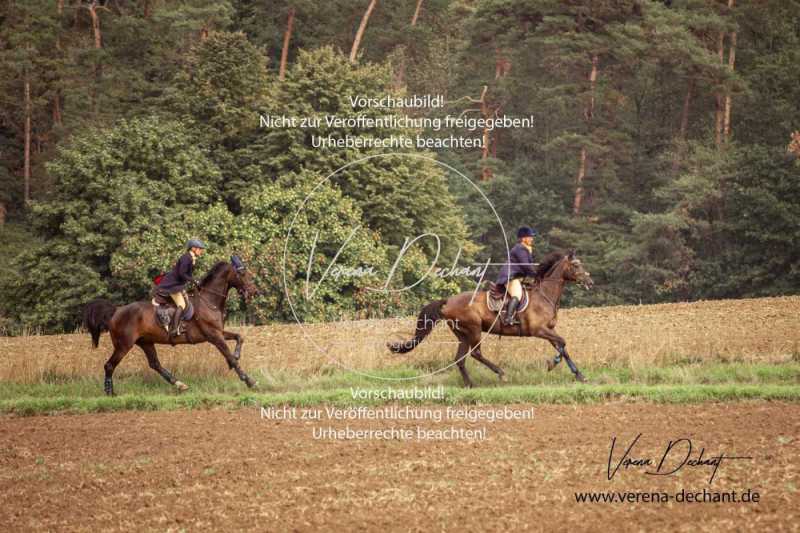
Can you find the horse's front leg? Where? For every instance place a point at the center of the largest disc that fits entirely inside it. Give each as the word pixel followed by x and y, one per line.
pixel 560 345
pixel 230 335
pixel 217 339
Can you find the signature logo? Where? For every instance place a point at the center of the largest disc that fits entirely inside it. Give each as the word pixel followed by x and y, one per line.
pixel 677 455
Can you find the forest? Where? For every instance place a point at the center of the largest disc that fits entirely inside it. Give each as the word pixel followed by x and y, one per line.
pixel 665 146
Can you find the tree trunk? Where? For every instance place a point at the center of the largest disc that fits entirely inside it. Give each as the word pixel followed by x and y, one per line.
pixel 57 97
pixel 98 44
pixel 502 65
pixel 592 84
pixel 416 13
pixel 286 38
pixel 731 62
pixel 360 32
pixel 576 204
pixel 98 37
pixel 57 118
pixel 27 163
pixel 687 104
pixel 588 114
pixel 486 172
pixel 794 144
pixel 718 122
pixel 401 71
pixel 147 11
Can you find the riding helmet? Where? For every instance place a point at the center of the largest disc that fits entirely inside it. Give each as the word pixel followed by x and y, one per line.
pixel 526 231
pixel 195 243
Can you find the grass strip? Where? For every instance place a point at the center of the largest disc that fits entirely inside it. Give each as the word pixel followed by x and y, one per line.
pixel 571 394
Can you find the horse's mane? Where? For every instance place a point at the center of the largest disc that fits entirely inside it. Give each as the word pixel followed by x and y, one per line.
pixel 548 262
pixel 214 272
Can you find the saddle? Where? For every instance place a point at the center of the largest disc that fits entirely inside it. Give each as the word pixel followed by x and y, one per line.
pixel 166 308
pixel 495 295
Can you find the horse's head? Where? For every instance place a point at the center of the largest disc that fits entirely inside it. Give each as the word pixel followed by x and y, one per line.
pixel 574 271
pixel 242 279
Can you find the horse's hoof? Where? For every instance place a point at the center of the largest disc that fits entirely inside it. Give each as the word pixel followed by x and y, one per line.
pixel 550 365
pixel 580 378
pixel 251 383
pixel 503 378
pixel 181 386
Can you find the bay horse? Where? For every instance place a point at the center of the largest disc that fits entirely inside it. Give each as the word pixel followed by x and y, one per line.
pixel 137 323
pixel 468 314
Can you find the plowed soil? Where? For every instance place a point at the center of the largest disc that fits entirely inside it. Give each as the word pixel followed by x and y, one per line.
pixel 220 470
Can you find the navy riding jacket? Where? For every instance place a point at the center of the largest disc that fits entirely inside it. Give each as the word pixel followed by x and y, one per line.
pixel 520 265
pixel 179 276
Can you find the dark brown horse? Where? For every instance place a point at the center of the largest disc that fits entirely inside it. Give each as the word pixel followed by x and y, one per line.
pixel 468 315
pixel 137 324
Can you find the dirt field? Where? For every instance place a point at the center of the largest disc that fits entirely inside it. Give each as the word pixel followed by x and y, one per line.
pixel 200 470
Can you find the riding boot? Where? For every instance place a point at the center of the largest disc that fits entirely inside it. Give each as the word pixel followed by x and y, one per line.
pixel 174 329
pixel 508 320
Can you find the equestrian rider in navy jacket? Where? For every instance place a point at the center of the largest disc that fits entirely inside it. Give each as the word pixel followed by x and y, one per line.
pixel 519 266
pixel 176 280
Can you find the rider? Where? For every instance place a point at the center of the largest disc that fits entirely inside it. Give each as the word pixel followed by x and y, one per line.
pixel 176 280
pixel 520 265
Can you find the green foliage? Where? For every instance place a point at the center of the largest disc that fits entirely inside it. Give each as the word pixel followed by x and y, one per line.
pixel 110 185
pixel 307 226
pixel 665 215
pixel 400 197
pixel 117 182
pixel 47 288
pixel 143 255
pixel 729 232
pixel 221 86
pixel 348 264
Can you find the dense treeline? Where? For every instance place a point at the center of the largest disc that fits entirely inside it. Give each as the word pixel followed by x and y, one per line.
pixel 659 149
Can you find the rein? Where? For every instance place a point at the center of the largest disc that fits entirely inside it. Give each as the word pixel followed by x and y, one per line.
pixel 206 289
pixel 224 296
pixel 551 280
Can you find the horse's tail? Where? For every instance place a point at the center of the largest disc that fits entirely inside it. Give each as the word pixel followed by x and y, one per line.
pixel 96 317
pixel 427 319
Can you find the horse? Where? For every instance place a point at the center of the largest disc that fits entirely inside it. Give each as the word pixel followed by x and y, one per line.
pixel 137 324
pixel 468 314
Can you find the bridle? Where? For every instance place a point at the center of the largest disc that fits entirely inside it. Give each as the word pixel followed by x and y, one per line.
pixel 201 289
pixel 544 280
pixel 550 280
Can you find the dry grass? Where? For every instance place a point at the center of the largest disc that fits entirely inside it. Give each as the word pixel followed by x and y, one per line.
pixel 751 330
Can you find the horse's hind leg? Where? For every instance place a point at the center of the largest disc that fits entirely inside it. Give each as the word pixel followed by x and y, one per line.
pixel 230 335
pixel 152 359
pixel 476 353
pixel 461 356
